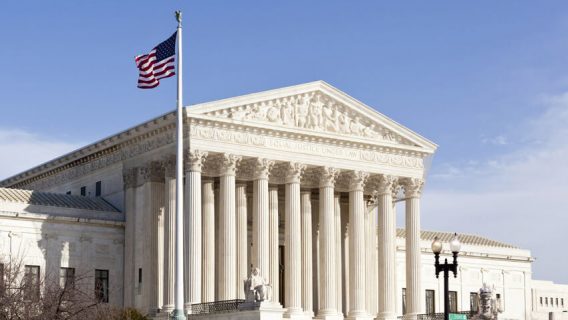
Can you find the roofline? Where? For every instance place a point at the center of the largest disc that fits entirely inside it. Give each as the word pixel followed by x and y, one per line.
pixel 165 118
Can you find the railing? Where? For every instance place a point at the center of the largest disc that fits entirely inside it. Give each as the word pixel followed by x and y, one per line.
pixel 215 307
pixel 440 316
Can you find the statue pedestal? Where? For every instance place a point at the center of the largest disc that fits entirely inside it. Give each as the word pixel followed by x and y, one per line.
pixel 265 310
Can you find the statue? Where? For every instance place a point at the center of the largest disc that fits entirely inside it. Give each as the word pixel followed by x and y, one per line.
pixel 257 288
pixel 489 307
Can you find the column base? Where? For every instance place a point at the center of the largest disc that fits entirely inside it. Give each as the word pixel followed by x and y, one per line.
pixel 329 315
pixel 359 315
pixel 296 313
pixel 386 316
pixel 167 308
pixel 410 316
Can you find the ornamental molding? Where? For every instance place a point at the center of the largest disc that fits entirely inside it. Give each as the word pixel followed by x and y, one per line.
pixel 412 187
pixel 137 146
pixel 391 157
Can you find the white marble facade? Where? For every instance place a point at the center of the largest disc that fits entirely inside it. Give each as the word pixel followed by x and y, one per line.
pixel 305 173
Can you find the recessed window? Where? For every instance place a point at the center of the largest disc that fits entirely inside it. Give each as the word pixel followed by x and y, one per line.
pixel 139 280
pixel 98 189
pixel 101 285
pixel 541 301
pixel 473 301
pixel 31 282
pixel 430 302
pixel 562 302
pixel 83 191
pixel 67 278
pixel 2 284
pixel 453 301
pixel 403 300
pixel 68 192
pixel 546 301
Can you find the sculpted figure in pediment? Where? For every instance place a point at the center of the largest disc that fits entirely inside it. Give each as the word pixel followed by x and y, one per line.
pixel 302 111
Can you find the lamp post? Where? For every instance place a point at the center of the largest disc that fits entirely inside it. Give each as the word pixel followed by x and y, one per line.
pixel 455 246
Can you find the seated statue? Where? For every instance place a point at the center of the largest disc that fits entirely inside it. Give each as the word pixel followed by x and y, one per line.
pixel 257 288
pixel 489 307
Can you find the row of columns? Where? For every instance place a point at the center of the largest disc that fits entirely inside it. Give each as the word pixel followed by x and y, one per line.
pixel 200 241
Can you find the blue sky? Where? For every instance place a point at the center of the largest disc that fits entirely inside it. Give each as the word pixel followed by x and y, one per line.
pixel 486 80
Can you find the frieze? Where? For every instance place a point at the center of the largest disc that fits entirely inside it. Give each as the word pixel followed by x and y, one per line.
pixel 314 111
pixel 247 138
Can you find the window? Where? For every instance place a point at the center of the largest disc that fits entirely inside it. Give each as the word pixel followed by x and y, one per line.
pixel 562 302
pixel 101 285
pixel 546 301
pixel 67 278
pixel 83 191
pixel 541 301
pixel 403 300
pixel 139 280
pixel 68 192
pixel 31 282
pixel 430 302
pixel 473 301
pixel 2 285
pixel 453 301
pixel 557 302
pixel 98 189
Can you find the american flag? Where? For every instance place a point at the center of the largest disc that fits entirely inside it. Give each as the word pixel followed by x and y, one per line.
pixel 157 64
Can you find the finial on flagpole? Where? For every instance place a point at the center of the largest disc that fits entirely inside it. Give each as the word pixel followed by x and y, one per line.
pixel 178 16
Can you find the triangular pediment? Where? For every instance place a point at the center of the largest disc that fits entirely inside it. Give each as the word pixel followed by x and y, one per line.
pixel 314 107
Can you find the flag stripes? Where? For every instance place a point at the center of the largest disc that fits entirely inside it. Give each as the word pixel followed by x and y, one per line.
pixel 156 65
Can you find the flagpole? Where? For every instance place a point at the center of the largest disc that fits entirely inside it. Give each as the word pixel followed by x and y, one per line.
pixel 178 313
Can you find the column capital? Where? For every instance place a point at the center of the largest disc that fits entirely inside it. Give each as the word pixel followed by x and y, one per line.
pixel 194 160
pixel 328 175
pixel 262 168
pixel 229 163
pixel 357 180
pixel 413 187
pixel 386 184
pixel 294 172
pixel 169 165
pixel 152 172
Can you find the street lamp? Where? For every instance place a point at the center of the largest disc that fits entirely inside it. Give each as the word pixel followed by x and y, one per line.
pixel 455 246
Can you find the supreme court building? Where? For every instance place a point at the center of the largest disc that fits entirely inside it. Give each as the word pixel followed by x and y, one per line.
pixel 300 182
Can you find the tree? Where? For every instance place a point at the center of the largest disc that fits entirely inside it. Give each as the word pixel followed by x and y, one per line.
pixel 26 295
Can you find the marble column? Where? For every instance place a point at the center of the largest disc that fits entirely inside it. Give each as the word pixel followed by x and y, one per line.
pixel 153 203
pixel 208 245
pixel 130 183
pixel 357 261
pixel 327 272
pixel 227 229
pixel 412 191
pixel 293 239
pixel 307 254
pixel 260 217
pixel 273 234
pixel 387 250
pixel 338 239
pixel 169 235
pixel 193 228
pixel 242 238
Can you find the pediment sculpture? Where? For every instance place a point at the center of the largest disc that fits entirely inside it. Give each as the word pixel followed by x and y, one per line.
pixel 314 111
